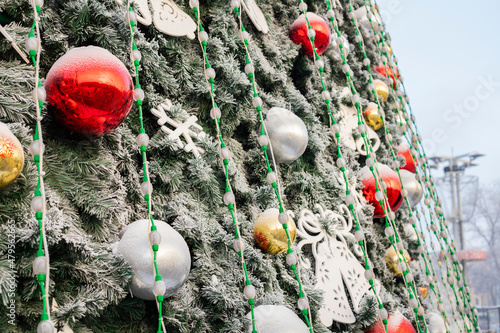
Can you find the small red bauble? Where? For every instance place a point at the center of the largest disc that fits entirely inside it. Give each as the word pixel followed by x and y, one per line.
pixel 396 323
pixel 393 73
pixel 89 91
pixel 394 189
pixel 404 151
pixel 298 33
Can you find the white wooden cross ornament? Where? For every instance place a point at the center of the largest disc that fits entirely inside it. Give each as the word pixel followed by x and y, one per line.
pixel 335 265
pixel 181 128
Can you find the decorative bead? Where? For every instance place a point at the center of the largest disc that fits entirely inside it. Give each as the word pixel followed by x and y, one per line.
pixel 358 39
pixel 142 139
pixel 330 13
pixel 340 40
pixel 391 215
pixel 194 3
pixel 263 140
pixel 40 265
pixel 203 36
pixel 311 33
pixel 450 280
pixel 429 279
pixel 319 64
pixel 356 99
pixel 257 101
pixel 302 303
pixel 379 196
pixel 395 164
pixel 359 236
pixel 399 246
pixel 138 94
pixel 362 128
pixel 389 232
pixel 146 188
pixel 291 259
pixel 37 148
pixel 349 199
pixel 159 288
pixel 235 4
pixel 249 292
pixel 210 73
pixel 249 68
pixel 346 68
pixel 132 17
pixel 302 6
pixel 225 153
pixel 39 94
pixel 413 303
pixel 39 3
pixel 283 218
pixel 215 113
pixel 335 128
pixel 325 94
pixel 136 55
pixel 239 244
pixel 45 326
pixel 37 204
pixel 409 277
pixel 271 177
pixel 370 162
pixel 245 35
pixel 229 198
pixel 371 86
pixel 404 192
pixel 341 162
pixel 383 314
pixel 155 237
pixel 369 274
pixel 32 44
pixel 420 249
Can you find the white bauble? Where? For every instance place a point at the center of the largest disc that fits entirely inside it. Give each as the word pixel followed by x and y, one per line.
pixel 288 134
pixel 435 322
pixel 410 183
pixel 173 259
pixel 277 319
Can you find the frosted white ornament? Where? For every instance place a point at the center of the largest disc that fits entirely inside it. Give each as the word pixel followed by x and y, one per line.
pixel 288 135
pixel 335 264
pixel 412 186
pixel 435 323
pixel 45 326
pixel 276 319
pixel 188 129
pixel 174 260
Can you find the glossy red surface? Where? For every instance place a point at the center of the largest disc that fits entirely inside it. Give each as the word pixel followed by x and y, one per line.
pixel 394 189
pixel 392 73
pixel 404 151
pixel 89 91
pixel 396 323
pixel 298 33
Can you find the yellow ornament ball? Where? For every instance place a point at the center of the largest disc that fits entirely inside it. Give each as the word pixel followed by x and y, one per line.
pixel 11 156
pixel 392 260
pixel 373 116
pixel 381 89
pixel 269 233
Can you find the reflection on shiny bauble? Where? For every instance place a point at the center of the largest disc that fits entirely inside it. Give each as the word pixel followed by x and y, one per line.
pixel 412 186
pixel 396 323
pixel 381 89
pixel 277 319
pixel 424 291
pixel 298 33
pixel 174 260
pixel 392 260
pixel 373 116
pixel 269 234
pixel 287 133
pixel 89 91
pixel 435 322
pixel 11 156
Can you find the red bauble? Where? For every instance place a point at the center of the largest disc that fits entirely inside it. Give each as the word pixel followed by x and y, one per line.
pixel 391 178
pixel 298 33
pixel 89 91
pixel 393 73
pixel 396 323
pixel 404 151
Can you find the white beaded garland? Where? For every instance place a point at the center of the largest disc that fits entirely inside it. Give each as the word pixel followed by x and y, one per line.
pixel 37 204
pixel 146 188
pixel 132 17
pixel 210 73
pixel 257 101
pixel 229 198
pixel 271 177
pixel 249 292
pixel 39 94
pixel 203 36
pixel 291 259
pixel 138 94
pixel 302 303
pixel 215 113
pixel 263 140
pixel 194 3
pixel 142 139
pixel 159 288
pixel 225 153
pixel 249 68
pixel 37 148
pixel 31 44
pixel 283 218
pixel 45 326
pixel 155 237
pixel 136 55
pixel 239 244
pixel 311 33
pixel 40 265
pixel 302 6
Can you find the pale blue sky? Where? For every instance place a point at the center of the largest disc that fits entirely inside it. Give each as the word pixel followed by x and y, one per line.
pixel 446 49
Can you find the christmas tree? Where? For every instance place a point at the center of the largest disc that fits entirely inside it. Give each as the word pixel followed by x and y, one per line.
pixel 263 154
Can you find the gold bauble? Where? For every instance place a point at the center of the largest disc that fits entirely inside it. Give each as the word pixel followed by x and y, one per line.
pixel 269 234
pixel 392 260
pixel 11 156
pixel 381 89
pixel 389 49
pixel 373 117
pixel 424 292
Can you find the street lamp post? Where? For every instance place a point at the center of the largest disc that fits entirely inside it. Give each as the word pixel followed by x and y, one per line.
pixel 455 168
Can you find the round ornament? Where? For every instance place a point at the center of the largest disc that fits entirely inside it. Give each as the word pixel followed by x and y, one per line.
pixel 404 151
pixel 269 234
pixel 288 134
pixel 392 260
pixel 89 91
pixel 373 116
pixel 276 319
pixel 11 156
pixel 364 22
pixel 173 258
pixel 412 186
pixel 299 33
pixel 396 323
pixel 381 89
pixel 424 291
pixel 436 324
pixel 386 70
pixel 391 179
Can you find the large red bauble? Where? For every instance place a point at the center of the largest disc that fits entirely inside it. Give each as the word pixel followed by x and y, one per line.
pixel 393 73
pixel 298 33
pixel 89 91
pixel 396 323
pixel 391 178
pixel 404 151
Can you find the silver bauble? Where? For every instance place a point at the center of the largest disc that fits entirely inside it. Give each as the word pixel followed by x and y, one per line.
pixel 173 259
pixel 277 319
pixel 435 323
pixel 288 134
pixel 410 183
